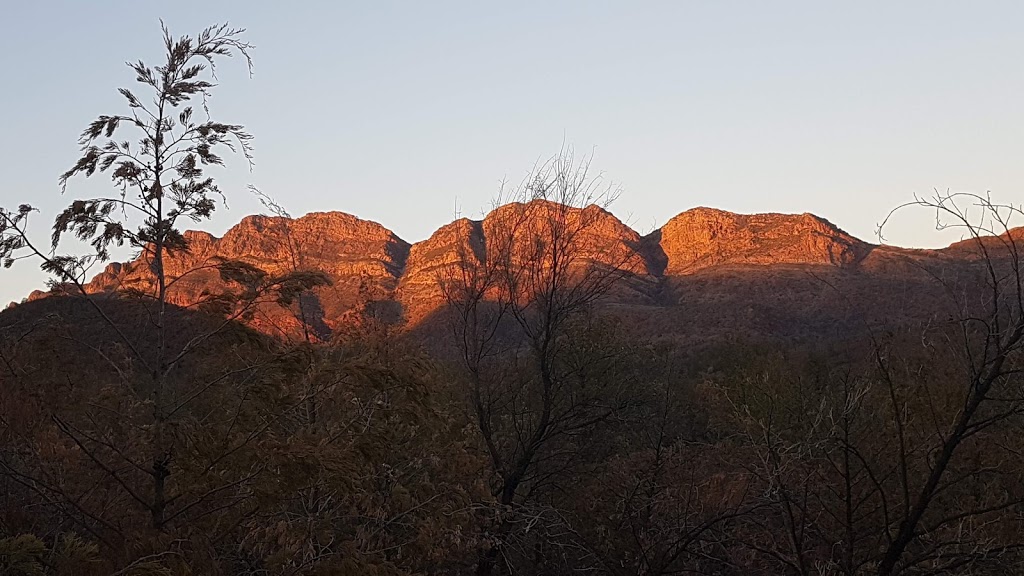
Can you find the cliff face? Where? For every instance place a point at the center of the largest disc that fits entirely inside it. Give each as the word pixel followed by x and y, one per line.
pixel 598 239
pixel 703 237
pixel 373 270
pixel 431 261
pixel 362 259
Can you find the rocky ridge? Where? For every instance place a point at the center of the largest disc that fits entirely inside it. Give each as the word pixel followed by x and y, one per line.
pixel 705 237
pixel 371 268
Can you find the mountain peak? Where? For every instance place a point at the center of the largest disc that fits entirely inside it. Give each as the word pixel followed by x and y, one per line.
pixel 703 237
pixel 369 264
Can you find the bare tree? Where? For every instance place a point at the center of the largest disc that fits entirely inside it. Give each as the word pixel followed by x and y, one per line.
pixel 986 338
pixel 907 462
pixel 520 302
pixel 672 494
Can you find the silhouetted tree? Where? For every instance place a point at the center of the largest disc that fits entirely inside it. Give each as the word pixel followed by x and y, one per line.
pixel 985 407
pixel 538 379
pixel 159 181
pixel 907 462
pixel 666 492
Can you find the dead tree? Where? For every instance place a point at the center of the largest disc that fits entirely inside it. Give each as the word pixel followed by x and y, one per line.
pixel 520 303
pixel 986 338
pixel 909 461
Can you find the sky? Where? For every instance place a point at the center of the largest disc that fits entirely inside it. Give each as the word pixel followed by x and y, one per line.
pixel 410 113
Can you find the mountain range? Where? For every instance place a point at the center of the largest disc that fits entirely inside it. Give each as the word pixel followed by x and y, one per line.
pixel 705 274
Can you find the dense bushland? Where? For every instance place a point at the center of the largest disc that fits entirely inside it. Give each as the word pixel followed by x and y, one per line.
pixel 536 433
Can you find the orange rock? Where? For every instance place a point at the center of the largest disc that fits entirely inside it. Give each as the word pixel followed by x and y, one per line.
pixel 704 237
pixel 373 270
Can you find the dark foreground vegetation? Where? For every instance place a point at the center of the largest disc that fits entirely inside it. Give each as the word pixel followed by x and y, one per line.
pixel 533 433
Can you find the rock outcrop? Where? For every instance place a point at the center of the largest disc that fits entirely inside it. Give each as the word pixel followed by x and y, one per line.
pixel 433 260
pixel 373 270
pixel 362 259
pixel 598 239
pixel 703 237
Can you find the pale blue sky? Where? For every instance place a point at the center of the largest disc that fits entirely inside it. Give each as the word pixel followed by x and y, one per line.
pixel 396 111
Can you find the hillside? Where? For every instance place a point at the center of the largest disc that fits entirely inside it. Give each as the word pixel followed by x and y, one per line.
pixel 705 274
pixel 734 354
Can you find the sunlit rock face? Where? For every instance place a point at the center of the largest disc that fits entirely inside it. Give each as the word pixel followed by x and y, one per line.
pixel 362 259
pixel 337 244
pixel 597 237
pixel 437 260
pixel 701 267
pixel 594 237
pixel 704 237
